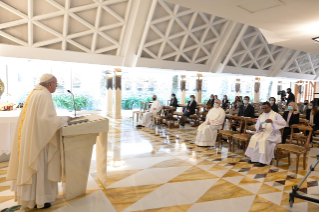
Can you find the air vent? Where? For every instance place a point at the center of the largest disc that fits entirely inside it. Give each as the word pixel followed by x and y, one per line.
pixel 254 6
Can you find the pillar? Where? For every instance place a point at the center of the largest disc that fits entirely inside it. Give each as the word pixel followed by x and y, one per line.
pixel 117 80
pixel 237 87
pixel 300 90
pixel 199 83
pixel 183 89
pixel 257 88
pixel 109 90
pixel 279 88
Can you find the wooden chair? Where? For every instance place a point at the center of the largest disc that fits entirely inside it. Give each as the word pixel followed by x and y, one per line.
pixel 244 138
pixel 300 149
pixel 139 112
pixel 195 117
pixel 235 121
pixel 161 118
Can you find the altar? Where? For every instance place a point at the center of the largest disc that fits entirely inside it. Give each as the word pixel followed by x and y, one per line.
pixel 8 122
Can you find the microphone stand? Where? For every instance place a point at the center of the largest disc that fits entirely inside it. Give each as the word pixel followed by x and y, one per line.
pixel 73 103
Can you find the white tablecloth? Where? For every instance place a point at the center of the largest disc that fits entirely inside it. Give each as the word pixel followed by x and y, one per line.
pixel 8 122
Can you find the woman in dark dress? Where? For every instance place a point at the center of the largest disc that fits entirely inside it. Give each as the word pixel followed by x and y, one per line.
pixel 312 116
pixel 291 116
pixel 273 105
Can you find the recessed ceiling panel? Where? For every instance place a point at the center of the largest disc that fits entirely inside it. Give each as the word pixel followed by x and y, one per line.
pixel 254 6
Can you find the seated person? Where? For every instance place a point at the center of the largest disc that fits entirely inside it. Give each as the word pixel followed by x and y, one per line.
pixel 156 106
pixel 312 116
pixel 189 110
pixel 225 102
pixel 303 108
pixel 291 117
pixel 174 102
pixel 246 110
pixel 237 103
pixel 207 131
pixel 210 102
pixel 261 145
pixel 273 105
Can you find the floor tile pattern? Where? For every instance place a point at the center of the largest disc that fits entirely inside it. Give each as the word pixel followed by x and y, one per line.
pixel 162 170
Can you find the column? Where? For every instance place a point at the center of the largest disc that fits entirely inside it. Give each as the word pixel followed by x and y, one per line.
pixel 109 88
pixel 199 83
pixel 300 91
pixel 117 81
pixel 237 87
pixel 183 89
pixel 279 88
pixel 257 88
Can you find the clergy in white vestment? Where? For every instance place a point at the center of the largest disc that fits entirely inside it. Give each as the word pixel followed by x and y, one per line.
pixel 147 117
pixel 207 131
pixel 35 165
pixel 262 145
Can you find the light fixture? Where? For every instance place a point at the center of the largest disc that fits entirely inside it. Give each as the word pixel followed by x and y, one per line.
pixel 316 39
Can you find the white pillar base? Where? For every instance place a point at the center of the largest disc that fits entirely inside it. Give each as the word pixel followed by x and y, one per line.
pixel 109 103
pixel 256 97
pixel 183 97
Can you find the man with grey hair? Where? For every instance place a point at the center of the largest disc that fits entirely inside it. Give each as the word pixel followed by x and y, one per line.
pixel 156 107
pixel 35 166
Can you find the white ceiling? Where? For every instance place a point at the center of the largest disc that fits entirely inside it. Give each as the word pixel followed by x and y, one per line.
pixel 293 22
pixel 155 34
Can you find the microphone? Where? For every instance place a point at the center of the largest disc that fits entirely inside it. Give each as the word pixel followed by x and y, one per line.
pixel 73 102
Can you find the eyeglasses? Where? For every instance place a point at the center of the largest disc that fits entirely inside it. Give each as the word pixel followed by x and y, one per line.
pixel 55 83
pixel 263 108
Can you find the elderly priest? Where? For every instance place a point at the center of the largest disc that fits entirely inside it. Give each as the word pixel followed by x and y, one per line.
pixel 207 131
pixel 156 107
pixel 35 165
pixel 262 144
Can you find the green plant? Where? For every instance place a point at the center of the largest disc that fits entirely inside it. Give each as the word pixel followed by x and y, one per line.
pixel 131 102
pixel 13 208
pixel 66 101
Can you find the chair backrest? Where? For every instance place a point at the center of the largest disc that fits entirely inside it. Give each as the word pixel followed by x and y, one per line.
pixel 227 116
pixel 142 106
pixel 250 125
pixel 237 121
pixel 305 139
pixel 303 121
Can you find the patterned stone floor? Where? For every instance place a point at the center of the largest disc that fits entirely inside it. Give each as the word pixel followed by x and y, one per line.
pixel 160 169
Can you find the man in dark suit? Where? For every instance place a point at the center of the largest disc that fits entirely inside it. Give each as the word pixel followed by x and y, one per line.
pixel 174 101
pixel 291 96
pixel 303 108
pixel 246 110
pixel 210 102
pixel 189 110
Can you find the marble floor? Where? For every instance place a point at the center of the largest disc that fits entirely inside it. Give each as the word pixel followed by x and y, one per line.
pixel 161 169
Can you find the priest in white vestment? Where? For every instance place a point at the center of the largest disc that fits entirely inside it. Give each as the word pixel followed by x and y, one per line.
pixel 262 145
pixel 35 164
pixel 207 131
pixel 147 117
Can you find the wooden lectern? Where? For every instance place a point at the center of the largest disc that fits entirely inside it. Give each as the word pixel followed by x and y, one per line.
pixel 77 142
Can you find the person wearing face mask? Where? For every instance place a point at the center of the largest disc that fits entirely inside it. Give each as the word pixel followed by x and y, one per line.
pixel 225 102
pixel 174 102
pixel 189 110
pixel 210 102
pixel 291 116
pixel 291 96
pixel 272 102
pixel 147 117
pixel 303 108
pixel 261 146
pixel 207 131
pixel 246 110
pixel 237 103
pixel 312 116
